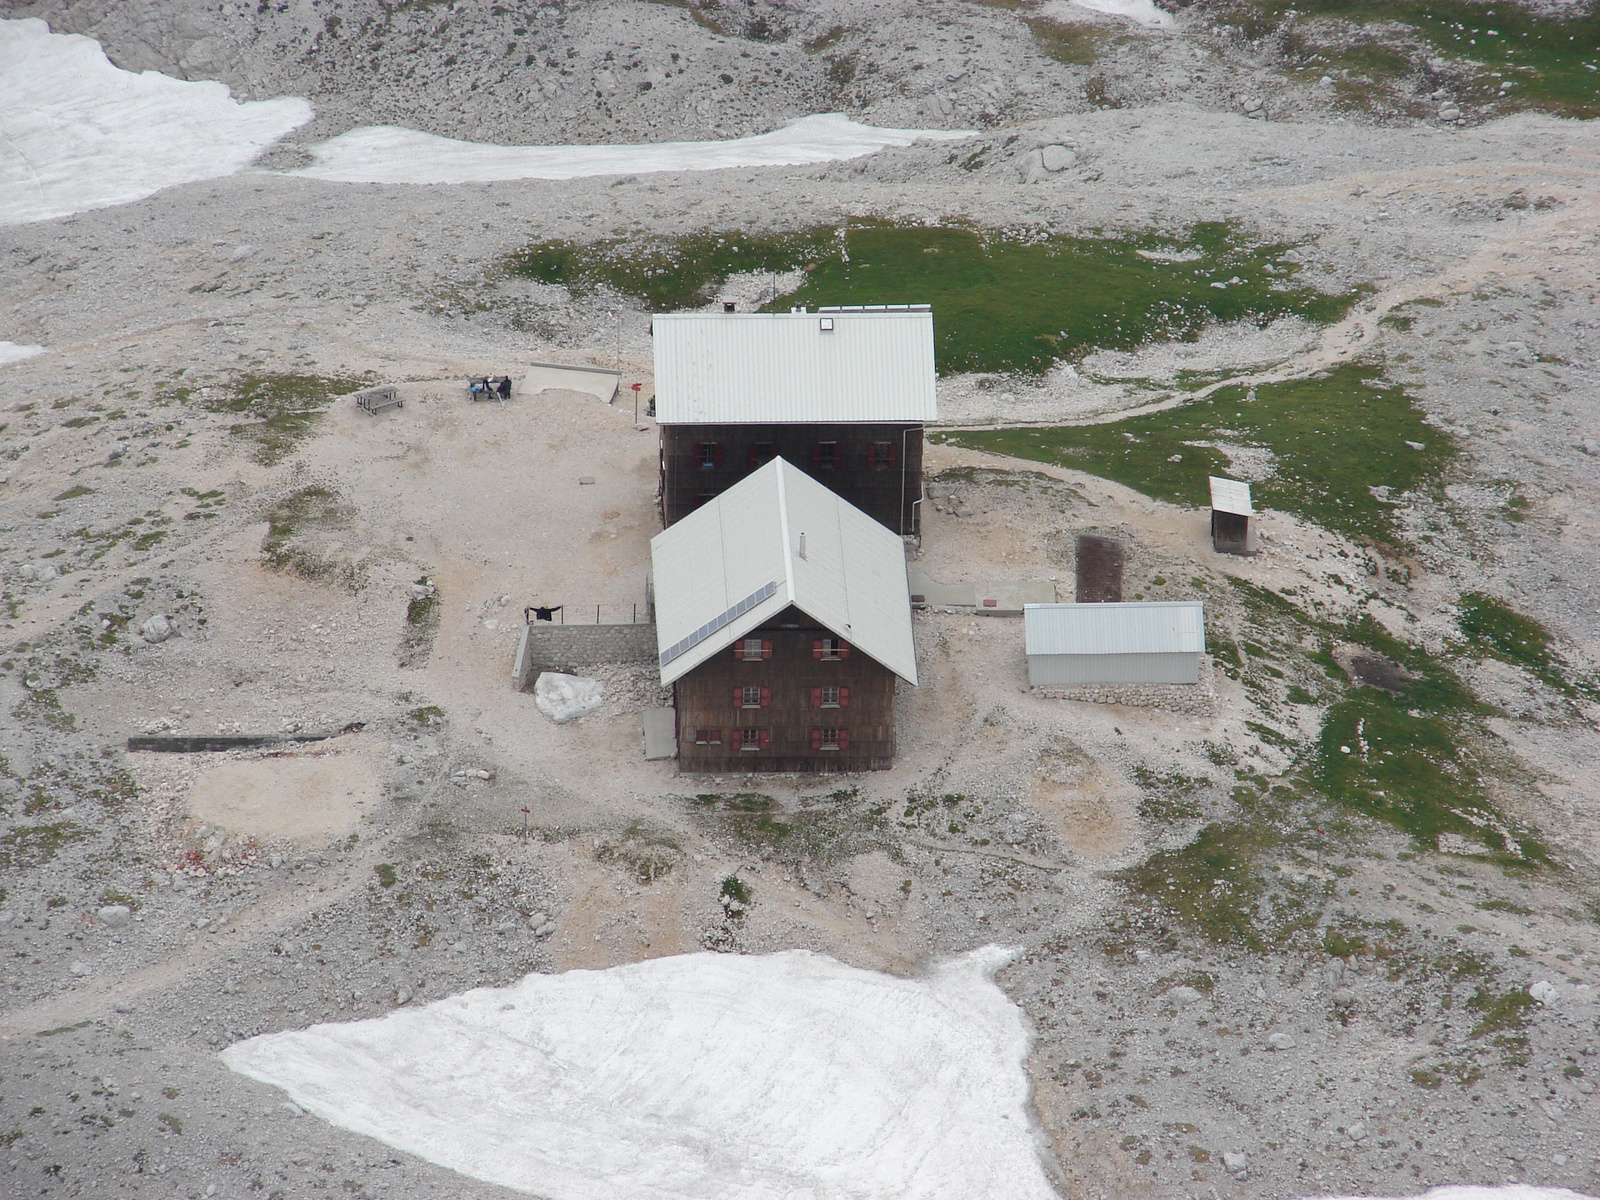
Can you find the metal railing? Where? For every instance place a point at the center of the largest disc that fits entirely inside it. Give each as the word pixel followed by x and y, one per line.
pixel 587 614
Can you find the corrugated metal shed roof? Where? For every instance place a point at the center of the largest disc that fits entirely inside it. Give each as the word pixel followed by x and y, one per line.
pixel 735 562
pixel 1231 496
pixel 787 368
pixel 1151 627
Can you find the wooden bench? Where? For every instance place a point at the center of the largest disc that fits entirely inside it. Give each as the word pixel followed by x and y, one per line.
pixel 375 400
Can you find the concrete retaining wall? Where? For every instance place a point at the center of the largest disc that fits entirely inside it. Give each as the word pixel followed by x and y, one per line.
pixel 545 646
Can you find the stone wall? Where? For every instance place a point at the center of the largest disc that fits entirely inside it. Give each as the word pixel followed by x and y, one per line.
pixel 545 646
pixel 1194 699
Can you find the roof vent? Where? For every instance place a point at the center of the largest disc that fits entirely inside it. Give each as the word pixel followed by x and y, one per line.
pixel 802 545
pixel 825 324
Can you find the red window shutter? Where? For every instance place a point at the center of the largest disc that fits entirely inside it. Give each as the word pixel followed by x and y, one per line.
pixel 753 463
pixel 738 697
pixel 872 455
pixel 716 737
pixel 717 450
pixel 890 451
pixel 816 739
pixel 738 650
pixel 766 649
pixel 765 742
pixel 816 698
pixel 844 739
pixel 766 697
pixel 816 648
pixel 843 650
pixel 816 454
pixel 736 736
pixel 698 447
pixel 844 697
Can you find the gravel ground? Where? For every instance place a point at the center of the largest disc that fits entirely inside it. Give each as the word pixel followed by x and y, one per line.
pixel 452 837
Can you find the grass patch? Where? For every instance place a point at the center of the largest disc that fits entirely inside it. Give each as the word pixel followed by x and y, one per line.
pixel 836 826
pixel 1020 303
pixel 1333 438
pixel 1005 302
pixel 1555 62
pixel 1068 42
pixel 386 874
pixel 1494 629
pixel 1216 886
pixel 422 625
pixel 668 273
pixel 281 409
pixel 34 845
pixel 292 528
pixel 72 493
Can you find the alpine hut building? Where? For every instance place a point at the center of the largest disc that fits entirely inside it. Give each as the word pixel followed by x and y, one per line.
pixel 783 624
pixel 841 393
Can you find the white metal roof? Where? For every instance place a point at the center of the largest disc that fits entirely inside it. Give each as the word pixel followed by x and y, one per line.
pixel 789 368
pixel 1231 496
pixel 1151 627
pixel 736 562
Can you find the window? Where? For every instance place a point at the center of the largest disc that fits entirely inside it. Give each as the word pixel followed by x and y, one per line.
pixel 830 697
pixel 752 697
pixel 752 649
pixel 761 452
pixel 830 649
pixel 880 456
pixel 708 737
pixel 752 739
pixel 708 455
pixel 825 456
pixel 703 498
pixel 830 739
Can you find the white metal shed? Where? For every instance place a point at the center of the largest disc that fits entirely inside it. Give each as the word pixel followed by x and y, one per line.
pixel 1158 641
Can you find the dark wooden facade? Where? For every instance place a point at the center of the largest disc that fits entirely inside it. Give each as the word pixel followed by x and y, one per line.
pixel 812 702
pixel 877 468
pixel 1230 533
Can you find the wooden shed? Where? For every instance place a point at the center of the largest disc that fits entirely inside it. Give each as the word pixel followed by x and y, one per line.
pixel 840 393
pixel 1233 529
pixel 783 621
pixel 1142 642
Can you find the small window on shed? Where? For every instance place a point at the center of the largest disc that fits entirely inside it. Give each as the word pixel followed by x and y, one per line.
pixel 880 456
pixel 761 452
pixel 708 737
pixel 825 456
pixel 830 649
pixel 708 455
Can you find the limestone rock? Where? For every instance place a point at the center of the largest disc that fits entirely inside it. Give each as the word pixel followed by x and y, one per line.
pixel 157 629
pixel 115 916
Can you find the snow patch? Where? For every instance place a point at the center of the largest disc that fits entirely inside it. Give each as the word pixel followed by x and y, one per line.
pixel 1140 12
pixel 706 1075
pixel 78 133
pixel 11 352
pixel 565 698
pixel 390 154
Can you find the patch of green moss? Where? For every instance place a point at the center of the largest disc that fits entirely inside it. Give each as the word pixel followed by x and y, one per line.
pixel 287 547
pixel 1004 301
pixel 34 845
pixel 824 828
pixel 282 408
pixel 1495 629
pixel 1553 61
